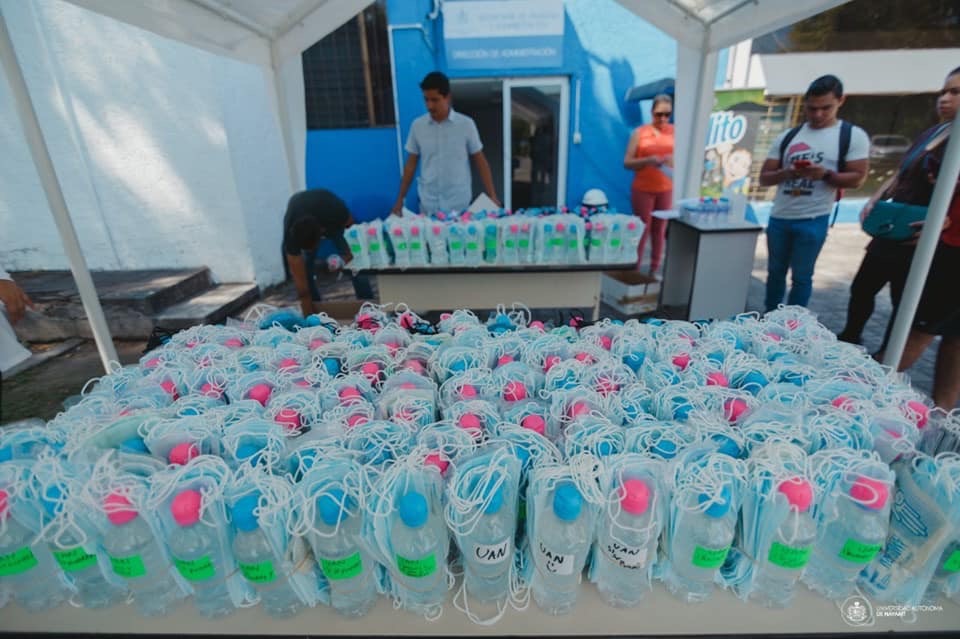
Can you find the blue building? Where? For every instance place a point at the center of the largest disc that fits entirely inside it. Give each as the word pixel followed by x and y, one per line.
pixel 561 95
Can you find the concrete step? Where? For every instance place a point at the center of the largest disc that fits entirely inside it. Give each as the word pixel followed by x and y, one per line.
pixel 209 307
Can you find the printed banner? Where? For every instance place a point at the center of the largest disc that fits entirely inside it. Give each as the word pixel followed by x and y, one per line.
pixel 729 151
pixel 503 34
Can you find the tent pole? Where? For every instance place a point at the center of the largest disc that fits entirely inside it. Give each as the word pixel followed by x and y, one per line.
pixel 281 105
pixel 58 205
pixel 926 246
pixel 696 73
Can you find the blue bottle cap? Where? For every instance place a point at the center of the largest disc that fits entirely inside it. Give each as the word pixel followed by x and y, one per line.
pixel 496 501
pixel 6 454
pixel 681 408
pixel 753 382
pixel 665 448
pixel 522 454
pixel 726 446
pixel 717 357
pixel 134 445
pixel 332 364
pixel 458 365
pixel 548 227
pixel 634 360
pixel 249 451
pixel 413 509
pixel 718 508
pixel 604 449
pixel 471 230
pixel 244 517
pixel 333 506
pixel 51 499
pixel 573 229
pixel 567 501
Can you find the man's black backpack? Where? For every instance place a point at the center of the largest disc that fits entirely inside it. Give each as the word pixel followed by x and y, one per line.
pixel 845 131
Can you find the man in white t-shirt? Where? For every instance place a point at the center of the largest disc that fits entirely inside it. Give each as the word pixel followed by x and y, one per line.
pixel 806 165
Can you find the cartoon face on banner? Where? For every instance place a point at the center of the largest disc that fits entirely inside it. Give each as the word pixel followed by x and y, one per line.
pixel 729 153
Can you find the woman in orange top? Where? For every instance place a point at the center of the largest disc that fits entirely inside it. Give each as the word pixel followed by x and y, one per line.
pixel 649 152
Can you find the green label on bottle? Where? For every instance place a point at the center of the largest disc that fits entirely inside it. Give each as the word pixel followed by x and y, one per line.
pixel 490 244
pixel 471 246
pixel 75 559
pixel 261 573
pixel 524 243
pixel 374 246
pixel 556 241
pixel 595 242
pixel 355 248
pixel 709 557
pixel 417 568
pixel 346 568
pixel 401 246
pixel 572 244
pixel 128 567
pixel 614 242
pixel 195 569
pixel 415 246
pixel 952 564
pixel 788 556
pixel 509 243
pixel 456 246
pixel 19 561
pixel 859 553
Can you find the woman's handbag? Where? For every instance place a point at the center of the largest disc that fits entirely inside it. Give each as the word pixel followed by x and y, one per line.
pixel 891 220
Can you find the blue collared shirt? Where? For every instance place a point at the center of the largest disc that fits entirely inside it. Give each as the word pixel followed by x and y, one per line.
pixel 444 148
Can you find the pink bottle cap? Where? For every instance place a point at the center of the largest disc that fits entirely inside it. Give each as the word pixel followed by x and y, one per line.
pixel 584 357
pixel 153 362
pixel 525 228
pixel 578 409
pixel 717 378
pixel 302 383
pixel 587 225
pixel 893 433
pixel 356 420
pixel 870 492
pixel 468 391
pixel 435 459
pixel 681 361
pixel 538 325
pixel 918 412
pixel 793 324
pixel 635 496
pixel 534 423
pixel 4 504
pixel 119 509
pixel 631 225
pixel 550 361
pixel 408 386
pixel 514 228
pixel 598 226
pixel 371 231
pixel 445 316
pixel 170 389
pixel 317 342
pixel 183 453
pixel 192 344
pixel 233 342
pixel 260 393
pixel 799 493
pixel 773 336
pixel 843 402
pixel 289 418
pixel 348 394
pixel 606 386
pixel 288 363
pixel 397 232
pixel 371 370
pixel 504 359
pixel 414 365
pixel 392 347
pixel 606 342
pixel 734 408
pixel 185 507
pixel 561 226
pixel 436 230
pixel 514 391
pixel 469 421
pixel 415 231
pixel 211 390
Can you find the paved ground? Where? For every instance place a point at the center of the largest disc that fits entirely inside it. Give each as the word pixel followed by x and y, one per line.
pixel 40 392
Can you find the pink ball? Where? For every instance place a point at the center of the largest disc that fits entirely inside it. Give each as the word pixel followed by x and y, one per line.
pixel 435 459
pixel 549 362
pixel 260 393
pixel 183 453
pixel 606 342
pixel 717 378
pixel 233 342
pixel 468 391
pixel 534 423
pixel 681 361
pixel 170 389
pixel 733 409
pixel 289 418
pixel 514 391
pixel 504 359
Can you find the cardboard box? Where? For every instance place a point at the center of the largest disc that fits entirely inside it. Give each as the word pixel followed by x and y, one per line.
pixel 343 312
pixel 630 292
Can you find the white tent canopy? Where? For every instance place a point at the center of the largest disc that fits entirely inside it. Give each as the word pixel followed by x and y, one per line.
pixel 272 33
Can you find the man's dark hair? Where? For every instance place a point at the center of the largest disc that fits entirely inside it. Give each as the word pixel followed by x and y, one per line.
pixel 305 234
pixel 436 80
pixel 954 72
pixel 825 84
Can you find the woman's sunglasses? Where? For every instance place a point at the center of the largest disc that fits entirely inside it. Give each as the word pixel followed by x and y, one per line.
pixel 662 114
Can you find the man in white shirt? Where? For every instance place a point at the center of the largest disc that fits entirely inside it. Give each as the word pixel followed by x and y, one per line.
pixel 443 142
pixel 809 164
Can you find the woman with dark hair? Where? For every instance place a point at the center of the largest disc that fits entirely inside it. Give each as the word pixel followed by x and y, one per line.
pixel 888 261
pixel 649 155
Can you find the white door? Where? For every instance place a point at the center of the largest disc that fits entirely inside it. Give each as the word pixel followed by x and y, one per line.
pixel 535 125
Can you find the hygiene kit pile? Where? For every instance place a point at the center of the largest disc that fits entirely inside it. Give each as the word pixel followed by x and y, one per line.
pixel 290 462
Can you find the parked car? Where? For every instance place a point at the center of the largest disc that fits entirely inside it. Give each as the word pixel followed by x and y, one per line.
pixel 888 146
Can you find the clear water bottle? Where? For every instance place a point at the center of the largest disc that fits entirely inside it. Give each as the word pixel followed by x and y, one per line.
pixel 437 242
pixel 418 247
pixel 195 548
pixel 473 250
pixel 455 245
pixel 563 537
pixel 779 567
pixel 136 556
pixel 342 557
pixel 511 243
pixel 701 541
pixel 488 550
pixel 850 542
pixel 73 553
pixel 524 243
pixel 626 545
pixel 491 242
pixel 550 244
pixel 420 544
pixel 259 563
pixel 947 568
pixel 28 570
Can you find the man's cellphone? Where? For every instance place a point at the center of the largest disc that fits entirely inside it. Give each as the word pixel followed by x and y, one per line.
pixel 802 164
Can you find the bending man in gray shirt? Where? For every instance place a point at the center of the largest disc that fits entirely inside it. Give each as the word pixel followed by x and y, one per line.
pixel 444 140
